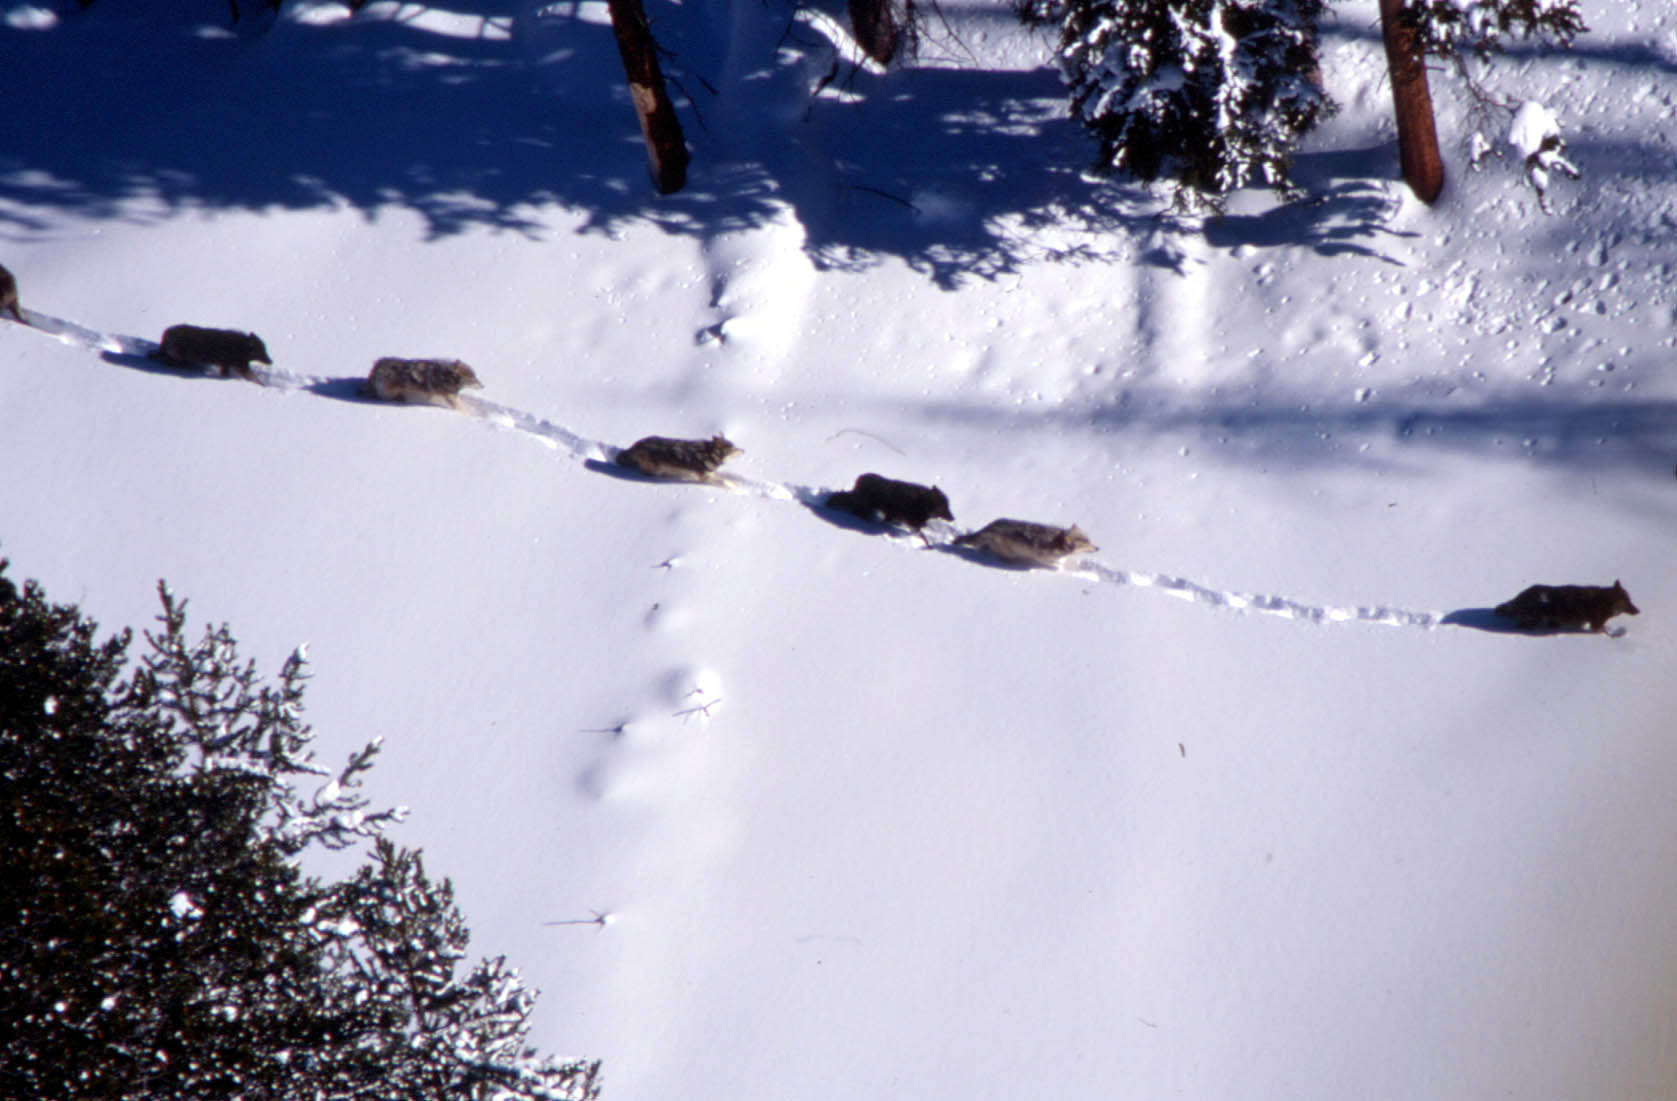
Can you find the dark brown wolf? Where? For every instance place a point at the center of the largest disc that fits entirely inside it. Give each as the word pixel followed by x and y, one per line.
pixel 229 351
pixel 885 499
pixel 681 460
pixel 8 293
pixel 1564 606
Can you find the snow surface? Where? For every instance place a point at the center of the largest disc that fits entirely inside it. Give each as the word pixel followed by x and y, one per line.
pixel 821 812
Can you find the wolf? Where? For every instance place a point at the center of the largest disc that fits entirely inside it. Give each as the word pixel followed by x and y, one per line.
pixel 229 351
pixel 430 381
pixel 1023 543
pixel 875 497
pixel 8 293
pixel 1565 606
pixel 680 460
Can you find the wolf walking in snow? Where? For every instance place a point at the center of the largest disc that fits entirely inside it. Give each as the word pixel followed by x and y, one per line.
pixel 1023 543
pixel 680 460
pixel 228 350
pixel 875 497
pixel 428 381
pixel 1558 606
pixel 8 294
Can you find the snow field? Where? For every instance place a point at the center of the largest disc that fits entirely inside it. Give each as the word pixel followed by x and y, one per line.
pixel 600 455
pixel 864 816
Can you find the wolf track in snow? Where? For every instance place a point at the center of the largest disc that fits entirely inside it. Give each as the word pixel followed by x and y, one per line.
pixel 583 449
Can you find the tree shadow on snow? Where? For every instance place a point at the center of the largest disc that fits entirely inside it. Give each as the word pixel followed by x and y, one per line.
pixel 1586 48
pixel 1276 428
pixel 472 113
pixel 1345 211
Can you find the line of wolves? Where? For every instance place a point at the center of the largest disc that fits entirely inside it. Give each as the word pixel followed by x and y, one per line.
pixel 874 497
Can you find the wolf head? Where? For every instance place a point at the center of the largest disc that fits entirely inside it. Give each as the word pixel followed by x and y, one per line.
pixel 1073 541
pixel 256 350
pixel 466 377
pixel 939 509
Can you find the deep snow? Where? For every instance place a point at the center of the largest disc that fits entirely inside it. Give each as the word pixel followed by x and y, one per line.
pixel 867 817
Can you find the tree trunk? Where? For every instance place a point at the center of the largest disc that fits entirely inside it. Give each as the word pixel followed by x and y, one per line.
pixel 874 23
pixel 1423 168
pixel 666 149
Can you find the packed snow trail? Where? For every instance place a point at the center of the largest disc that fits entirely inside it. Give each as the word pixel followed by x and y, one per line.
pixel 1251 602
pixel 939 534
pixel 68 332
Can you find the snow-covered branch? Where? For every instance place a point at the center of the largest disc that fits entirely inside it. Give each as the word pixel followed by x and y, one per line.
pixel 231 722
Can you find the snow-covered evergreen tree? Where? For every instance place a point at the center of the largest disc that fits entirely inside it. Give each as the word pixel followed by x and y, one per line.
pixel 1216 94
pixel 1210 94
pixel 395 938
pixel 1040 13
pixel 158 939
pixel 1450 28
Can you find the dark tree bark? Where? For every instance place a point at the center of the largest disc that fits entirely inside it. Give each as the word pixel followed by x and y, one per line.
pixel 1423 167
pixel 875 25
pixel 666 149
